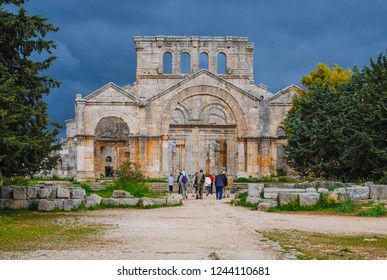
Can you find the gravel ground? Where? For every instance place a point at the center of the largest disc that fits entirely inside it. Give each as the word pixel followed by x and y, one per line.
pixel 201 229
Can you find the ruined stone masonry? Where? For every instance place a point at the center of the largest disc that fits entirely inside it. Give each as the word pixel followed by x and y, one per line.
pixel 194 105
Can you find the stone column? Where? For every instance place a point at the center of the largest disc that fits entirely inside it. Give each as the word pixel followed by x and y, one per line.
pixel 195 149
pixel 273 156
pixel 265 146
pixel 85 158
pixel 241 172
pixel 252 157
pixel 142 153
pixel 164 154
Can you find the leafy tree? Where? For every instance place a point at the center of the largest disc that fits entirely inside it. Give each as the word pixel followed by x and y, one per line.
pixel 323 75
pixel 27 136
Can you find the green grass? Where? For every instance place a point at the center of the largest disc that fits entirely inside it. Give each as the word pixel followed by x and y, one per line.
pixel 322 205
pixel 377 211
pixel 311 245
pixel 25 230
pixel 241 201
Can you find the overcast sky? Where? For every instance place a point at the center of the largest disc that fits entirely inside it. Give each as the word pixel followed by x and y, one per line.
pixel 95 40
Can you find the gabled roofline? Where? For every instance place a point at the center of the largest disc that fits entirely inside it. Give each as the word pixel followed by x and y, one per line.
pixel 197 74
pixel 111 85
pixel 283 91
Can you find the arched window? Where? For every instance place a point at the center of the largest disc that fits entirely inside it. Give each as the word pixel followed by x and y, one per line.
pixel 185 63
pixel 221 60
pixel 167 63
pixel 203 61
pixel 108 159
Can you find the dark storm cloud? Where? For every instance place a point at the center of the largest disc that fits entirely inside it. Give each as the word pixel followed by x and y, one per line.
pixel 95 44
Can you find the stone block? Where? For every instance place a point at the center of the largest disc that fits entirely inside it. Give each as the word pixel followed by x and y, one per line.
pixel 309 198
pixel 110 201
pixel 264 206
pixel 6 192
pixel 32 192
pixel 358 192
pixel 378 192
pixel 322 190
pixel 310 190
pixel 59 204
pixel 285 198
pixel 19 204
pixel 160 201
pixel 20 193
pixel 46 205
pixel 62 193
pixel 44 192
pixel 129 201
pixel 272 193
pixel 92 200
pixel 173 201
pixel 253 200
pixel 77 193
pixel 121 193
pixel 255 190
pixel 71 204
pixel 5 203
pixel 54 191
pixel 146 202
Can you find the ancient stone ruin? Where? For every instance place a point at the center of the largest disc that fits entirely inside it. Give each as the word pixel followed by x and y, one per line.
pixel 194 105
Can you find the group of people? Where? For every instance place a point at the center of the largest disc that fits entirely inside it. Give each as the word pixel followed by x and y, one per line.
pixel 200 182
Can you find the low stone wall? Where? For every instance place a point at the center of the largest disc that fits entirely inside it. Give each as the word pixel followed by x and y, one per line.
pixel 272 195
pixel 49 198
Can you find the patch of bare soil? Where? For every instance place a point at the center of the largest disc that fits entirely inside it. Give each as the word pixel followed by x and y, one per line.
pixel 201 229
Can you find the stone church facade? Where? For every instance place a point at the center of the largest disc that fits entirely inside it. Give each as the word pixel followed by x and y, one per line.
pixel 194 105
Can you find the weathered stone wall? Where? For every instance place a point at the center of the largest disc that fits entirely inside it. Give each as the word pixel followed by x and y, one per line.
pixel 270 195
pixel 43 198
pixel 49 198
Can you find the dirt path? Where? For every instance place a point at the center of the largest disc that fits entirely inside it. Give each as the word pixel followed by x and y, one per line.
pixel 201 229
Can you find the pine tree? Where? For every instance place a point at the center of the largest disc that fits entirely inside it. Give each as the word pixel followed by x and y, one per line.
pixel 27 136
pixel 340 131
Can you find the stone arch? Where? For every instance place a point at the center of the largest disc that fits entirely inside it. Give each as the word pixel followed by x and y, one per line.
pixel 130 120
pixel 231 102
pixel 112 128
pixel 229 118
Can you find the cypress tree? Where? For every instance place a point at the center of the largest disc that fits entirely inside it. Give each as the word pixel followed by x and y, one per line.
pixel 27 136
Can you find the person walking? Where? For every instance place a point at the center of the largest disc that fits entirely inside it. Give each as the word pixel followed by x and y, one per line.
pixel 194 183
pixel 178 183
pixel 207 184
pixel 200 181
pixel 170 182
pixel 219 184
pixel 184 182
pixel 225 182
pixel 212 182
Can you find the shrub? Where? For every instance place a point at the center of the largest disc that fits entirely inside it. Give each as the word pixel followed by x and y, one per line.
pixel 34 205
pixel 376 211
pixel 346 207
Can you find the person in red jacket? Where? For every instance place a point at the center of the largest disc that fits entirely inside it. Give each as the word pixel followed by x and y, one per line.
pixel 212 181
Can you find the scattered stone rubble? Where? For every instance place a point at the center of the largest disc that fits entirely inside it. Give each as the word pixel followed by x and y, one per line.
pixel 272 195
pixel 50 197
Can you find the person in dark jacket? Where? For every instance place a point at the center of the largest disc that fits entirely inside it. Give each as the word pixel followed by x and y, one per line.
pixel 219 184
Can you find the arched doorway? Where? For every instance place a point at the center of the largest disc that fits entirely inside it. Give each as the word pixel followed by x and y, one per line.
pixel 202 133
pixel 111 145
